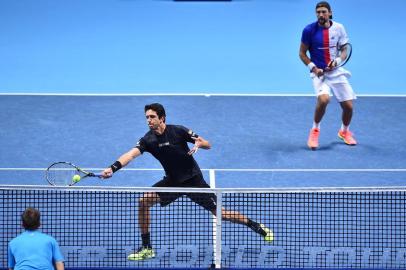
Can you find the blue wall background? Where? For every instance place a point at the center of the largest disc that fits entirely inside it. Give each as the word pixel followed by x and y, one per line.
pixel 161 46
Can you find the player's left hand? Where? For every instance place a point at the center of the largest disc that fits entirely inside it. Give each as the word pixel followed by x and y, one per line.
pixel 317 71
pixel 198 143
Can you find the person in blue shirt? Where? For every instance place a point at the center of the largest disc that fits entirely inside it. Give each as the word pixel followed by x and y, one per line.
pixel 321 39
pixel 33 249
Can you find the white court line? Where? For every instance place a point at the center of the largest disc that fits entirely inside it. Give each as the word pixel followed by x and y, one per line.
pixel 156 94
pixel 237 170
pixel 313 170
pixel 185 94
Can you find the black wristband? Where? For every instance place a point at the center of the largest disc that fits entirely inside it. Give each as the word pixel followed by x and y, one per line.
pixel 116 166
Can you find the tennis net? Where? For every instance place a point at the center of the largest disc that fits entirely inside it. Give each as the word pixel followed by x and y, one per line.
pixel 313 228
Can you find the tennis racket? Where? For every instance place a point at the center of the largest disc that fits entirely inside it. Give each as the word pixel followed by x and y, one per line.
pixel 66 174
pixel 340 54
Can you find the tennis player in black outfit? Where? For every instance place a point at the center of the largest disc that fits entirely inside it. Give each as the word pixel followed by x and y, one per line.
pixel 168 144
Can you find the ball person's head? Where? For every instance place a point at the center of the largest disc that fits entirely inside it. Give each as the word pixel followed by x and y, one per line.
pixel 30 219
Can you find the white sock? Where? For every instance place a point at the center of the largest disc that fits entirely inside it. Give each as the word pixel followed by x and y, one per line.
pixel 345 128
pixel 316 125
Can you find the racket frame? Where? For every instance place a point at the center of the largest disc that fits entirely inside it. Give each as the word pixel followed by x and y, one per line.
pixel 349 53
pixel 71 182
pixel 339 48
pixel 329 69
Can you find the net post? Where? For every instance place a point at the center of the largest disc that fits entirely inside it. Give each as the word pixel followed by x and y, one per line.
pixel 217 253
pixel 212 179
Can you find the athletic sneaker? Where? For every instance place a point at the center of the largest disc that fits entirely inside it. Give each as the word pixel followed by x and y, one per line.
pixel 313 141
pixel 143 253
pixel 269 234
pixel 347 137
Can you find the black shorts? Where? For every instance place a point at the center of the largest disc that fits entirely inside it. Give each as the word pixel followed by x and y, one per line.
pixel 206 200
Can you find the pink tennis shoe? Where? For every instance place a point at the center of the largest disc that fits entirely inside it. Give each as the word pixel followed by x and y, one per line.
pixel 347 137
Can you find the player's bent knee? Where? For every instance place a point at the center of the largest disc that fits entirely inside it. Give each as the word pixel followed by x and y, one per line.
pixel 323 100
pixel 347 105
pixel 142 202
pixel 229 215
pixel 147 201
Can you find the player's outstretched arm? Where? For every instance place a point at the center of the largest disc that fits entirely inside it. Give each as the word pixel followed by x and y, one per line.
pixel 122 161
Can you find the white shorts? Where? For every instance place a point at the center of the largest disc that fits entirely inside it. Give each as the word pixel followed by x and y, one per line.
pixel 336 82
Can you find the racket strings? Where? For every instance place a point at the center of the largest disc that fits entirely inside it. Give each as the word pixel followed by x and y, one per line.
pixel 345 53
pixel 62 173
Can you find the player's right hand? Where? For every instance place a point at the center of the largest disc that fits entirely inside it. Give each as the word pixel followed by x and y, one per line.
pixel 107 173
pixel 318 71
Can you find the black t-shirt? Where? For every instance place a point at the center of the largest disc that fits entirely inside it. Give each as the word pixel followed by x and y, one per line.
pixel 171 150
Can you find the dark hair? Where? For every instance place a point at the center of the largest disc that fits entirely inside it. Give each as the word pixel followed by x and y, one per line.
pixel 30 218
pixel 324 4
pixel 156 107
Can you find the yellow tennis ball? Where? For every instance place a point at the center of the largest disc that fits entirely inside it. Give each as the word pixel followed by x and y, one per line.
pixel 76 178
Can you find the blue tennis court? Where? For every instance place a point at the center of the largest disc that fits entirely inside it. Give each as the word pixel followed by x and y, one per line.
pixel 74 79
pixel 258 142
pixel 251 136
